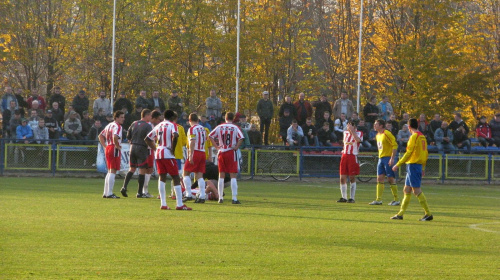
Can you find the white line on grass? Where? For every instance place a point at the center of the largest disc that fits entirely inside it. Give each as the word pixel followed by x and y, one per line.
pixel 476 226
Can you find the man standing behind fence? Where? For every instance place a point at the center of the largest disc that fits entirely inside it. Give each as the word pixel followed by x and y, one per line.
pixel 110 139
pixel 387 148
pixel 415 159
pixel 138 152
pixel 227 139
pixel 265 110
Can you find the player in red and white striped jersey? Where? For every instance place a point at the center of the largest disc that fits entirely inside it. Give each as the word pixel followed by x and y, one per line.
pixel 111 138
pixel 197 137
pixel 165 134
pixel 227 139
pixel 349 165
pixel 156 118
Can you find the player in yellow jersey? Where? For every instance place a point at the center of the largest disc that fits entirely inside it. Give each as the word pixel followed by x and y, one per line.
pixel 415 159
pixel 387 148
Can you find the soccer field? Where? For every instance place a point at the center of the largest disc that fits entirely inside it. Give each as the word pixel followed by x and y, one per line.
pixel 62 228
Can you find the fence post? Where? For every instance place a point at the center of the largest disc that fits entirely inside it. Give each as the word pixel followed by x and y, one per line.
pixel 54 157
pixel 443 166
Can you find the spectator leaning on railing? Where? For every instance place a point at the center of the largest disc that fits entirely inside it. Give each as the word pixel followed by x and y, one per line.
pixel 73 127
pixel 41 132
pixel 294 134
pixel 460 133
pixel 52 125
pixel 24 132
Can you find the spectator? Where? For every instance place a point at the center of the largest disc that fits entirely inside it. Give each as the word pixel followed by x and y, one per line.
pixel 214 105
pixel 73 127
pixel 212 121
pixel 35 106
pixel 57 113
pixel 122 102
pixel 156 101
pixel 285 122
pixel 141 102
pixel 340 126
pixel 7 98
pixel 385 108
pixel 35 96
pixel 70 108
pixel 24 132
pixel 365 141
pixel 52 124
pixel 80 103
pixel 7 116
pixel 204 122
pixel 288 105
pixel 33 120
pixel 136 115
pixel 95 130
pixel 244 125
pixel 100 116
pixel 14 123
pixel 184 121
pixel 21 102
pixel 433 126
pixel 41 132
pixel 320 123
pixel 321 106
pixel 483 133
pixel 254 135
pixel 101 103
pixel 59 98
pixel 310 133
pixel 324 135
pixel 294 134
pixel 343 106
pixel 395 124
pixel 460 133
pixel 444 139
pixel 405 120
pixel 495 129
pixel 304 109
pixel 175 103
pixel 372 137
pixel 109 119
pixel 265 111
pixel 126 123
pixel 371 112
pixel 423 125
pixel 403 137
pixel 355 117
pixel 86 125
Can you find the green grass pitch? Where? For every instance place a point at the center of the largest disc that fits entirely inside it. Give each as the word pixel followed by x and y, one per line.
pixel 54 228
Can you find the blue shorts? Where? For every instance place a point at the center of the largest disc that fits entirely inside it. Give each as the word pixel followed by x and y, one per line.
pixel 179 164
pixel 384 168
pixel 413 175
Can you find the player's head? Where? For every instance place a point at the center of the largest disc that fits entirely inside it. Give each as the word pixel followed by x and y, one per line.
pixel 170 115
pixel 380 122
pixel 193 118
pixel 229 116
pixel 155 117
pixel 413 123
pixel 118 114
pixel 145 113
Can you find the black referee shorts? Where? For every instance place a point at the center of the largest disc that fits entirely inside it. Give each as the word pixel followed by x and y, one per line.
pixel 138 156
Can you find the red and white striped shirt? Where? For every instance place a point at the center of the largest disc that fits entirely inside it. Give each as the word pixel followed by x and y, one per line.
pixel 110 130
pixel 227 135
pixel 163 134
pixel 199 134
pixel 351 147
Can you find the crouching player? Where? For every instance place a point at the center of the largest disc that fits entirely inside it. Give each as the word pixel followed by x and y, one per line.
pixel 166 134
pixel 415 159
pixel 349 165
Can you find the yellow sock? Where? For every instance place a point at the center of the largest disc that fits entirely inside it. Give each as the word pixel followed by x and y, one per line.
pixel 380 191
pixel 394 190
pixel 423 202
pixel 404 204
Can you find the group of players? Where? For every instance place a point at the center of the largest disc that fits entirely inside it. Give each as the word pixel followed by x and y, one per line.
pixel 415 159
pixel 154 140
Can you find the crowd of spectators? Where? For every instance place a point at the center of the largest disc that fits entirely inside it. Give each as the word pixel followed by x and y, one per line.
pixel 301 123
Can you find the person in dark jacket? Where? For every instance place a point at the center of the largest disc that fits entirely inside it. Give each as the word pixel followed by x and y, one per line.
pixel 371 112
pixel 122 102
pixel 59 98
pixel 80 103
pixel 460 133
pixel 156 101
pixel 52 125
pixel 265 111
pixel 304 109
pixel 287 105
pixel 321 106
pixel 495 129
pixel 285 123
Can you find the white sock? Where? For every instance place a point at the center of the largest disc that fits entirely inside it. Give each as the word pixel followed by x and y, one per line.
pixel 178 195
pixel 172 188
pixel 163 194
pixel 106 183
pixel 234 188
pixel 220 188
pixel 201 184
pixel 343 190
pixel 147 177
pixel 187 185
pixel 353 190
pixel 111 183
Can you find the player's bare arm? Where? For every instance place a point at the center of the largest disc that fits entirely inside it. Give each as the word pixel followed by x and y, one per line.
pixel 238 145
pixel 174 142
pixel 214 143
pixel 192 142
pixel 352 130
pixel 102 140
pixel 150 143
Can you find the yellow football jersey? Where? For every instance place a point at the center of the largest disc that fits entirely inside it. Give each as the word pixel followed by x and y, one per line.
pixel 386 143
pixel 181 142
pixel 416 150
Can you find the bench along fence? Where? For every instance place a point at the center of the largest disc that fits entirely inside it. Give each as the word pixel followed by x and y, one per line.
pixel 278 162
